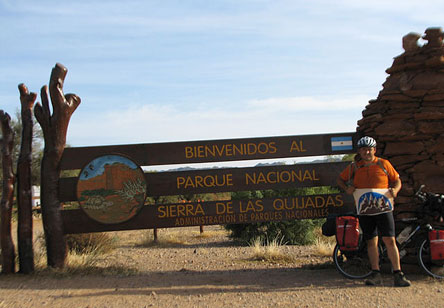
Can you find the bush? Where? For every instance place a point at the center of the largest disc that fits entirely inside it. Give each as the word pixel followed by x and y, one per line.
pixel 295 232
pixel 90 242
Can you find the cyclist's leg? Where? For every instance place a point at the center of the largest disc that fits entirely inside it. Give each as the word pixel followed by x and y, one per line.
pixel 386 227
pixel 370 235
pixel 373 253
pixel 392 252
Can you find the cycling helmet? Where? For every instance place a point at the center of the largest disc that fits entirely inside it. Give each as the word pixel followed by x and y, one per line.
pixel 366 142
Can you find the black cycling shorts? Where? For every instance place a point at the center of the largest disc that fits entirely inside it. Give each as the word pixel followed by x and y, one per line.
pixel 382 224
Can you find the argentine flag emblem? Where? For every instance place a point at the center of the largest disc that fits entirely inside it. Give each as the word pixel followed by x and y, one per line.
pixel 341 143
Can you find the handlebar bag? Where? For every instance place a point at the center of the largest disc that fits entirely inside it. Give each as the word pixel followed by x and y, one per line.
pixel 347 232
pixel 329 226
pixel 436 238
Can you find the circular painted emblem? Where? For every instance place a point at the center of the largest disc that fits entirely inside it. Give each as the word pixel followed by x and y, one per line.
pixel 111 189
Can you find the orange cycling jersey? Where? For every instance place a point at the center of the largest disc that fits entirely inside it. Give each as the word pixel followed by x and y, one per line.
pixel 370 175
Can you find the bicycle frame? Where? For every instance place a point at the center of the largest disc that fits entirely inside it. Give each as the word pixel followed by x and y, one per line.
pixel 416 228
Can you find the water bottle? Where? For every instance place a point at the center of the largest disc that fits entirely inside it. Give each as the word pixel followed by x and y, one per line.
pixel 404 234
pixel 402 253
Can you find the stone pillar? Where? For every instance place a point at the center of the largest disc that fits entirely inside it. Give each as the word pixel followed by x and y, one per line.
pixel 407 117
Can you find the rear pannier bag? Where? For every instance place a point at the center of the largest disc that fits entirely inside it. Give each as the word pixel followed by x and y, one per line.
pixel 436 238
pixel 347 232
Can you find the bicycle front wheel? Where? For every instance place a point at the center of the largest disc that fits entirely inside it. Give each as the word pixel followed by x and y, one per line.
pixel 432 268
pixel 352 264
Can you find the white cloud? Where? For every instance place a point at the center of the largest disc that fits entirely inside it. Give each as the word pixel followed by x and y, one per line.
pixel 284 52
pixel 307 103
pixel 270 117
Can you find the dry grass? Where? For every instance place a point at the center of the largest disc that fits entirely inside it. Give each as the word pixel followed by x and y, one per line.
pixel 81 262
pixel 173 238
pixel 210 233
pixel 269 251
pixel 97 260
pixel 166 238
pixel 78 264
pixel 91 243
pixel 324 245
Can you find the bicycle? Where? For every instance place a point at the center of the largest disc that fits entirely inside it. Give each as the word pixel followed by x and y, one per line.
pixel 355 264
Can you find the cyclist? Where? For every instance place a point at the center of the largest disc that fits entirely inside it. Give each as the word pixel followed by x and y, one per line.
pixel 371 172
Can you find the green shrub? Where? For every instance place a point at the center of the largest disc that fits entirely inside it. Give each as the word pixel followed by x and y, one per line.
pixel 294 232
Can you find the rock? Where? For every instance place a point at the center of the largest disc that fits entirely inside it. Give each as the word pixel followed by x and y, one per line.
pixel 416 93
pixel 410 42
pixel 398 116
pixel 437 147
pixel 398 97
pixel 405 159
pixel 437 114
pixel 427 167
pixel 434 97
pixel 434 183
pixel 434 36
pixel 439 158
pixel 435 61
pixel 403 148
pixel 401 199
pixel 395 128
pixel 431 127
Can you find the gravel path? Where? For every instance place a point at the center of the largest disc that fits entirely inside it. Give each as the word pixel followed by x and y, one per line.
pixel 210 271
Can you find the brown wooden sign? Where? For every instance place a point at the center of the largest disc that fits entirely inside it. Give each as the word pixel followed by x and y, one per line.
pixel 111 186
pixel 230 179
pixel 216 150
pixel 217 213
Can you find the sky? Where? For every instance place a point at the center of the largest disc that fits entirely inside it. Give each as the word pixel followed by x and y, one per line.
pixel 177 70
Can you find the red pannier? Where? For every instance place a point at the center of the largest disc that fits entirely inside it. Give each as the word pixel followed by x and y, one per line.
pixel 347 232
pixel 436 238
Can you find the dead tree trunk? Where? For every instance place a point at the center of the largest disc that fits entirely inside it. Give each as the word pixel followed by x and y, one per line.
pixel 7 245
pixel 54 129
pixel 24 194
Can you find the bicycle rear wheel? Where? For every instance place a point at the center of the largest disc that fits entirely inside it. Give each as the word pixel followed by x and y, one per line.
pixel 432 268
pixel 352 264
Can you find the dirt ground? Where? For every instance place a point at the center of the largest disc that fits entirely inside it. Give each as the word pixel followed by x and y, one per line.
pixel 209 271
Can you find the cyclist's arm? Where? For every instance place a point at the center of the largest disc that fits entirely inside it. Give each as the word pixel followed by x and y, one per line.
pixel 395 186
pixel 348 189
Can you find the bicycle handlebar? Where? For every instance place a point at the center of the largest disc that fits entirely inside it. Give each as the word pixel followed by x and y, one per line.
pixel 432 203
